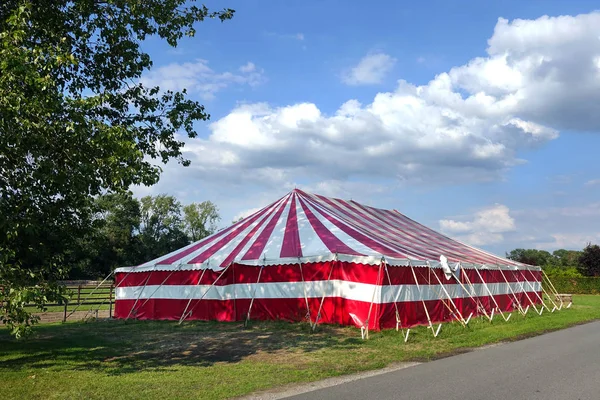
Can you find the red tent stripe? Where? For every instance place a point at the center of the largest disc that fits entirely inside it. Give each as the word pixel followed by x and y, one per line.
pixel 206 254
pixel 231 257
pixel 234 229
pixel 358 236
pixel 291 240
pixel 255 251
pixel 332 242
pixel 383 233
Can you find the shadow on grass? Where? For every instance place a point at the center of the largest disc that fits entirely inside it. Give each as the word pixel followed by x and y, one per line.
pixel 120 347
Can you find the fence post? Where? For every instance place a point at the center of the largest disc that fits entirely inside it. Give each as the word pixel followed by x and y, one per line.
pixel 65 315
pixel 78 294
pixel 110 296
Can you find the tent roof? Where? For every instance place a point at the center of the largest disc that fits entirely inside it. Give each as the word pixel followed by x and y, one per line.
pixel 305 227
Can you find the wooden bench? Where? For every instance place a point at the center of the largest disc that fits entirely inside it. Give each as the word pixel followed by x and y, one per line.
pixel 566 298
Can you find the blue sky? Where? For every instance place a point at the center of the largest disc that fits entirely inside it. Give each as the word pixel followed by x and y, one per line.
pixel 485 129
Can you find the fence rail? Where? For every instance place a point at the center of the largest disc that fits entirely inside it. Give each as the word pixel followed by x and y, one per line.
pixel 88 297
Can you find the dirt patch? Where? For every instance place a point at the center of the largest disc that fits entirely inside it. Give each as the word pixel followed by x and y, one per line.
pixel 50 317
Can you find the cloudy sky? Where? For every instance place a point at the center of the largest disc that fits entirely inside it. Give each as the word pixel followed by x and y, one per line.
pixel 480 119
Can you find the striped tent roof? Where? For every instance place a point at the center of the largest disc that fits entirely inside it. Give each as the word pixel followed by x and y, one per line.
pixel 305 227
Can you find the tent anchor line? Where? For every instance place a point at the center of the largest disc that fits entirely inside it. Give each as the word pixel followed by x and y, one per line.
pixel 314 325
pixel 253 296
pixel 433 330
pixel 531 302
pixel 364 329
pixel 456 311
pixel 139 295
pixel 308 317
pixel 184 315
pixel 491 295
pixel 398 320
pixel 478 303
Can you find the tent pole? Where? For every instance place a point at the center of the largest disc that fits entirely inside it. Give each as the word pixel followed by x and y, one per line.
pixel 456 311
pixel 522 285
pixel 544 305
pixel 492 296
pixel 159 286
pixel 139 296
pixel 519 305
pixel 314 325
pixel 253 296
pixel 398 320
pixel 364 330
pixel 435 332
pixel 184 316
pixel 475 298
pixel 555 292
pixel 556 307
pixel 305 294
pixel 92 292
pixel 192 294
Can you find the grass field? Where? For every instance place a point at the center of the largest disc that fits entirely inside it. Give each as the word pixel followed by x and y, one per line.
pixel 205 360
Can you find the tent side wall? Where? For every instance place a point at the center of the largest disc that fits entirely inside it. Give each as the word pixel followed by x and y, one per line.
pixel 344 293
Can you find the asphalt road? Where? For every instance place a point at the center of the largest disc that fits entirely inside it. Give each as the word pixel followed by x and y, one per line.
pixel 563 365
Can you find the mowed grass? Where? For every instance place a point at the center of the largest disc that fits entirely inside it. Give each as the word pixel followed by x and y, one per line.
pixel 207 360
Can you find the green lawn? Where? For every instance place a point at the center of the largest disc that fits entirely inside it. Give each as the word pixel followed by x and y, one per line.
pixel 205 360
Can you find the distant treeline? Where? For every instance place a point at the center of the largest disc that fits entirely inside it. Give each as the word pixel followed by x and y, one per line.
pixel 127 231
pixel 562 263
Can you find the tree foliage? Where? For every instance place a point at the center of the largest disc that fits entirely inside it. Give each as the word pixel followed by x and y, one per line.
pixel 530 256
pixel 162 228
pixel 128 232
pixel 75 123
pixel 200 219
pixel 589 262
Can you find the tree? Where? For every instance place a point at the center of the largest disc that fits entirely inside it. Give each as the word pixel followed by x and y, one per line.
pixel 530 256
pixel 75 122
pixel 566 258
pixel 200 219
pixel 114 241
pixel 162 228
pixel 589 261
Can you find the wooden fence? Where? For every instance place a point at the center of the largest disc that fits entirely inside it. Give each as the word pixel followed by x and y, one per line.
pixel 85 299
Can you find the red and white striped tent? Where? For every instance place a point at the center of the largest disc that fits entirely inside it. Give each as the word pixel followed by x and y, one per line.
pixel 310 257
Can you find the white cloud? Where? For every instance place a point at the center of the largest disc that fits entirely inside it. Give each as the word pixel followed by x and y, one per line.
pixel 593 182
pixel 295 36
pixel 371 69
pixel 486 226
pixel 198 78
pixel 471 123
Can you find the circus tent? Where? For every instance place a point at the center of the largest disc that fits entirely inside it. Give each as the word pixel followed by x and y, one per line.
pixel 326 260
